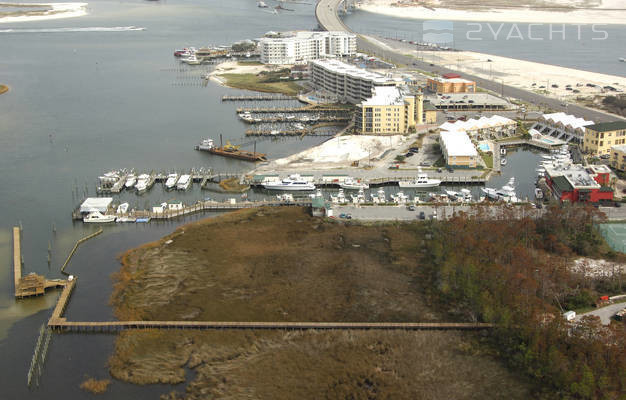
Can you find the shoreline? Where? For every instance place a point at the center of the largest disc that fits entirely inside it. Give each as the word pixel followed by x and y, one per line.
pixel 612 14
pixel 520 73
pixel 53 11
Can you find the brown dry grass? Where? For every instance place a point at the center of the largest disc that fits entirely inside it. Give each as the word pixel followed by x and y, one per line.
pixel 316 365
pixel 95 386
pixel 280 264
pixel 273 265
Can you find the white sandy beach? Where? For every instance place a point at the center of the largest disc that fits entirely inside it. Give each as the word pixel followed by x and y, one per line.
pixel 57 11
pixel 519 73
pixel 610 12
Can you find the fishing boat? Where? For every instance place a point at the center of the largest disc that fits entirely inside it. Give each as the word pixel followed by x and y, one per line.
pixel 466 196
pixel 122 208
pixel 353 184
pixel 293 182
pixel 400 198
pixel 184 182
pixel 285 197
pixel 340 198
pixel 359 198
pixel 170 183
pixel 506 193
pixel 502 151
pixel 98 217
pixel 261 4
pixel 131 180
pixel 503 161
pixel 142 183
pixel 422 181
pixel 379 197
pixel 452 195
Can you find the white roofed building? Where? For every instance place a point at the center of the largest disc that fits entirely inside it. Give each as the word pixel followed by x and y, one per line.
pixel 458 150
pixel 93 204
pixel 493 127
pixel 562 126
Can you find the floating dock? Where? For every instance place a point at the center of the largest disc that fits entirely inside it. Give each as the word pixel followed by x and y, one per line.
pixel 262 110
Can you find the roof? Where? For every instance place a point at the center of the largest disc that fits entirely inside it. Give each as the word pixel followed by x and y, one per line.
pixel 621 147
pixel 429 107
pixel 562 184
pixel 567 120
pixel 339 67
pixel 576 175
pixel 92 204
pixel 608 126
pixel 481 123
pixel 385 96
pixel 457 144
pixel 451 75
pixel 318 202
pixel 450 80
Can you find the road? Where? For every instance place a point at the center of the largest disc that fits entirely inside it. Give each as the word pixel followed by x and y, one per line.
pixel 328 18
pixel 605 313
pixel 402 213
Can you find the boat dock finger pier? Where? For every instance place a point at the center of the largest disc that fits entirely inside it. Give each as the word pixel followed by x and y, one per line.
pixel 262 97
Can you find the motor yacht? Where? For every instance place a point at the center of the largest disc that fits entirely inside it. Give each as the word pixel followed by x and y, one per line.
pixel 293 182
pixel 98 217
pixel 353 184
pixel 170 183
pixel 184 182
pixel 422 181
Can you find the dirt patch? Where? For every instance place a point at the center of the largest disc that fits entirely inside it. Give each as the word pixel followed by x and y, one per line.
pixel 95 386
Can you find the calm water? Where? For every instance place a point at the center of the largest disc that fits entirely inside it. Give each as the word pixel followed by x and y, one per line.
pixel 577 47
pixel 82 103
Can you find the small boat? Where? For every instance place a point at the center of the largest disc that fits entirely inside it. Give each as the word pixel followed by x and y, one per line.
pixel 506 193
pixel 379 197
pixel 466 196
pixel 304 118
pixel 184 182
pixel 353 184
pixel 538 194
pixel 422 181
pixel 191 60
pixel 340 198
pixel 622 59
pixel 126 219
pixel 131 180
pixel 400 198
pixel 293 182
pixel 139 220
pixel 452 195
pixel 142 183
pixel 109 177
pixel 122 208
pixel 290 117
pixel 502 150
pixel 206 145
pixel 503 161
pixel 359 198
pixel 298 126
pixel 261 4
pixel 170 183
pixel 285 197
pixel 98 217
pixel 274 132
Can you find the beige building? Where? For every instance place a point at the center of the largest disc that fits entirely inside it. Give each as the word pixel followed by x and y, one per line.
pixel 390 110
pixel 600 138
pixel 451 83
pixel 458 150
pixel 618 157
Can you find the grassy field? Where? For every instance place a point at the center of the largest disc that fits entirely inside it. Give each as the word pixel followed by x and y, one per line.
pixel 256 83
pixel 3 89
pixel 281 264
pixel 487 158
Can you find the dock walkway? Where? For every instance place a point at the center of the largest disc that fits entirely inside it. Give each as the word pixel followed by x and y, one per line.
pixel 262 97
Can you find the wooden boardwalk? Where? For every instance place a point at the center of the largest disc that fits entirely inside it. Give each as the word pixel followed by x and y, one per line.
pixel 305 109
pixel 17 258
pixel 261 97
pixel 113 326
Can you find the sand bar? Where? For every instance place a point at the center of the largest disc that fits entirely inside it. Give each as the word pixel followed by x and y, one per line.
pixel 41 11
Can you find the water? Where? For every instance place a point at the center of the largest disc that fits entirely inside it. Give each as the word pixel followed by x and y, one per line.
pixel 578 48
pixel 87 97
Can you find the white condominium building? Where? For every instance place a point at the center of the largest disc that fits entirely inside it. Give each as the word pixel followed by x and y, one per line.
pixel 302 46
pixel 347 82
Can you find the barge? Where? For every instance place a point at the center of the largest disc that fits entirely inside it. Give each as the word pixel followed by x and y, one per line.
pixel 230 150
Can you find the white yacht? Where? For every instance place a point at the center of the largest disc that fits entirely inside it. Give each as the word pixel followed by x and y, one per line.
pixel 502 151
pixel 206 144
pixel 340 198
pixel 109 177
pixel 142 183
pixel 359 198
pixel 503 161
pixel 353 184
pixel 293 182
pixel 131 180
pixel 422 181
pixel 192 60
pixel 261 4
pixel 98 217
pixel 122 208
pixel 379 197
pixel 170 183
pixel 506 193
pixel 184 182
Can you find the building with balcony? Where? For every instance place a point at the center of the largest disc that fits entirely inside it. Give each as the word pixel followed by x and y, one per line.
pixel 562 126
pixel 301 47
pixel 600 138
pixel 390 110
pixel 347 82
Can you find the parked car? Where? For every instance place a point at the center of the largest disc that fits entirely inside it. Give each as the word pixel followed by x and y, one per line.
pixel 425 164
pixel 409 154
pixel 414 149
pixel 605 156
pixel 422 215
pixel 342 215
pixel 348 216
pixel 450 169
pixel 410 208
pixel 439 170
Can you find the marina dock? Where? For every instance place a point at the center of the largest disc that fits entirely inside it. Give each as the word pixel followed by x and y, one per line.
pixel 262 97
pixel 262 110
pixel 321 118
pixel 292 132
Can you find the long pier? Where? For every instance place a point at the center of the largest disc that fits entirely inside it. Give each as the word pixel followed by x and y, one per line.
pixel 78 243
pixel 327 118
pixel 17 258
pixel 261 110
pixel 293 132
pixel 262 97
pixel 113 326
